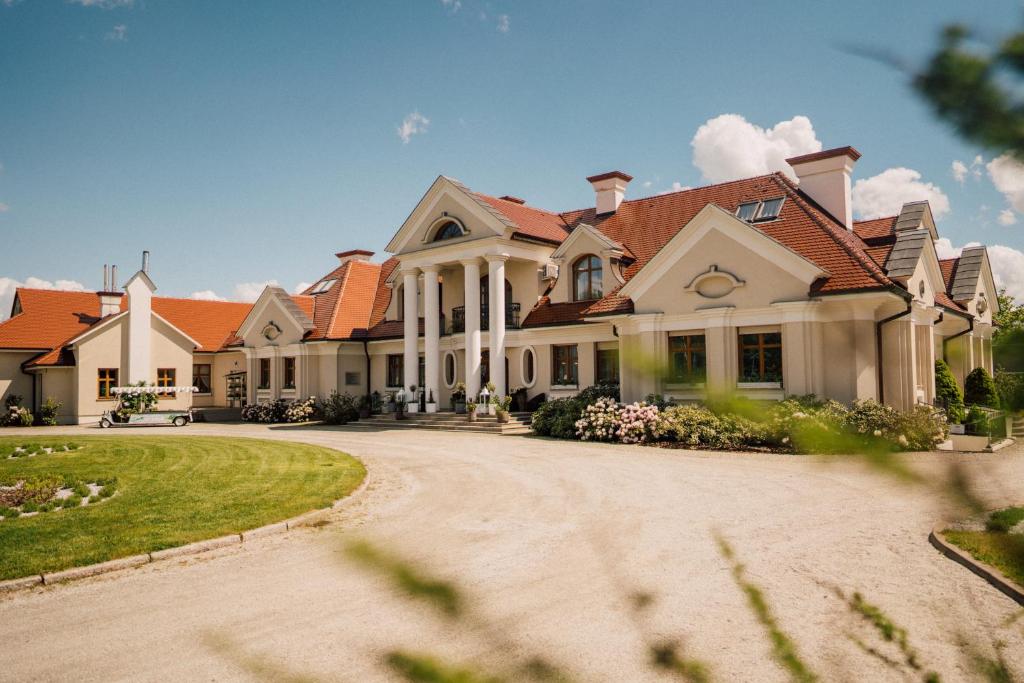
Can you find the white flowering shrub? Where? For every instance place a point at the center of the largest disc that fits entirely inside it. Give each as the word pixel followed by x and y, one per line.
pixel 281 411
pixel 608 420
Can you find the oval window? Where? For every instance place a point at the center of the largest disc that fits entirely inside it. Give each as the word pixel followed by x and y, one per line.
pixel 449 369
pixel 529 366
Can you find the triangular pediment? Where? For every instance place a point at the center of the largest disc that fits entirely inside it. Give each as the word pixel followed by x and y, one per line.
pixel 274 318
pixel 714 219
pixel 449 200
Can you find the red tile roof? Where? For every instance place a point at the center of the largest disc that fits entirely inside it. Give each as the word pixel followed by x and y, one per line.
pixel 533 223
pixel 875 228
pixel 49 319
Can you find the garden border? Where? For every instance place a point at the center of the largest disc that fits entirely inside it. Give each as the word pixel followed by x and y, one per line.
pixel 74 573
pixel 986 571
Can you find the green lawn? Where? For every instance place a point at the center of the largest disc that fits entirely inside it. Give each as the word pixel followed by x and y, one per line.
pixel 170 491
pixel 994 546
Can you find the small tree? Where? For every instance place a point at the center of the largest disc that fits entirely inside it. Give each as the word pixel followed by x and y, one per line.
pixel 980 389
pixel 947 392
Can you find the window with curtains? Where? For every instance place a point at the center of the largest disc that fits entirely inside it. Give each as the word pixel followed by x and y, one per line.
pixel 607 366
pixel 289 373
pixel 565 365
pixel 687 359
pixel 264 377
pixel 106 380
pixel 202 378
pixel 761 357
pixel 395 370
pixel 165 377
pixel 586 278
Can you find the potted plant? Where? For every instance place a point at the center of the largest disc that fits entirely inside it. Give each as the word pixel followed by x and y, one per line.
pixel 459 398
pixel 431 405
pixel 501 408
pixel 492 399
pixel 471 411
pixel 390 405
pixel 413 404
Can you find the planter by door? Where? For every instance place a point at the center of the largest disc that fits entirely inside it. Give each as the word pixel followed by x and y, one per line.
pixel 460 407
pixel 472 415
pixel 502 416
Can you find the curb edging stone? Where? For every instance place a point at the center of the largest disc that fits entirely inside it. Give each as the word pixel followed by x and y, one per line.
pixel 992 575
pixel 75 573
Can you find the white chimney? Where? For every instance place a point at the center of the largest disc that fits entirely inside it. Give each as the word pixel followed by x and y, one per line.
pixel 110 300
pixel 353 255
pixel 825 178
pixel 140 313
pixel 610 188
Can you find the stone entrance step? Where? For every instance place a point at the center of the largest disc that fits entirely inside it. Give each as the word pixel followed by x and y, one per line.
pixel 518 423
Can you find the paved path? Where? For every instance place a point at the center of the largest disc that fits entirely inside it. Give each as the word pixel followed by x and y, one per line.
pixel 548 540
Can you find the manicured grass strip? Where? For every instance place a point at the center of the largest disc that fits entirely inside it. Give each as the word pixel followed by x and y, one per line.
pixel 1005 552
pixel 170 491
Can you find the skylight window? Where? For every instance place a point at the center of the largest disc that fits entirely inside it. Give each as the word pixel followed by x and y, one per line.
pixel 766 210
pixel 322 286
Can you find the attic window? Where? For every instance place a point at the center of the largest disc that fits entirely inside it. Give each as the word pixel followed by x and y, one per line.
pixel 322 286
pixel 449 230
pixel 766 210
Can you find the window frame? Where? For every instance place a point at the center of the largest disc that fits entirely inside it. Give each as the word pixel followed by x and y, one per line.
pixel 166 377
pixel 762 382
pixel 209 378
pixel 590 270
pixel 528 382
pixel 688 350
pixel 263 376
pixel 394 362
pixel 437 236
pixel 106 378
pixel 759 215
pixel 323 286
pixel 288 367
pixel 572 364
pixel 455 369
pixel 598 379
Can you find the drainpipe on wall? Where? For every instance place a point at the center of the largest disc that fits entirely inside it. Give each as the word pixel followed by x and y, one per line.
pixel 878 347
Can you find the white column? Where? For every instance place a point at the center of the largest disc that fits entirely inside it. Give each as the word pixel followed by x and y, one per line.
pixel 496 314
pixel 431 331
pixel 471 273
pixel 411 362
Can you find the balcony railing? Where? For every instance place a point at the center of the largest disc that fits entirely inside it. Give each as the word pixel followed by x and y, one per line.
pixel 512 311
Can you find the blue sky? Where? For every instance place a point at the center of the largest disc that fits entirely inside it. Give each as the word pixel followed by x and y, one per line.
pixel 243 142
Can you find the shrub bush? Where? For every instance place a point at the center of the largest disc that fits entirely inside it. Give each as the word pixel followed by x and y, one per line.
pixel 980 389
pixel 340 409
pixel 592 393
pixel 48 412
pixel 557 418
pixel 608 420
pixel 699 427
pixel 947 392
pixel 1010 386
pixel 281 410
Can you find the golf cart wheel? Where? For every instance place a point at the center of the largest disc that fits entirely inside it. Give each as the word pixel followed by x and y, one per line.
pixel 180 421
pixel 104 423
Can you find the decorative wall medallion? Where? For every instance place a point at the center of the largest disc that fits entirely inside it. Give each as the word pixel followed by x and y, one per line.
pixel 271 331
pixel 982 303
pixel 714 283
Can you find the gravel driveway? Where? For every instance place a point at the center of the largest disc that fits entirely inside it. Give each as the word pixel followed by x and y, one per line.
pixel 549 541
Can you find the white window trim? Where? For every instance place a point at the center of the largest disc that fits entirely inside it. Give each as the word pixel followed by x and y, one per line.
pixel 444 368
pixel 759 385
pixel 522 366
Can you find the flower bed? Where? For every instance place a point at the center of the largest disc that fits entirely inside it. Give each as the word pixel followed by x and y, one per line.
pixel 281 410
pixel 36 494
pixel 803 425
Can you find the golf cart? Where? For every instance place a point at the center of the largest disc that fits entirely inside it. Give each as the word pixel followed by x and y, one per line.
pixel 132 408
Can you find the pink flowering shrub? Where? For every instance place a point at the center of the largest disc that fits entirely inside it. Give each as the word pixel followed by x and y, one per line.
pixel 608 420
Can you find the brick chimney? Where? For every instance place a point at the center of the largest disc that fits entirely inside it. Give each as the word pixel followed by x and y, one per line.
pixel 353 255
pixel 609 189
pixel 825 178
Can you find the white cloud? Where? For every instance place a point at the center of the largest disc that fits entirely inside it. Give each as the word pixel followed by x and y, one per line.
pixel 676 187
pixel 302 287
pixel 413 124
pixel 1007 264
pixel 961 171
pixel 8 285
pixel 118 34
pixel 1007 175
pixel 250 291
pixel 452 5
pixel 1006 217
pixel 103 4
pixel 503 23
pixel 206 295
pixel 728 147
pixel 885 193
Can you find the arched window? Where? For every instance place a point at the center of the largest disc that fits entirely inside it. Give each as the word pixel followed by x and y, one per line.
pixel 449 369
pixel 586 278
pixel 448 231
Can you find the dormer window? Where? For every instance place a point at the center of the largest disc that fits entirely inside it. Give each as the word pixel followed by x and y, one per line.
pixel 753 212
pixel 449 230
pixel 322 286
pixel 586 278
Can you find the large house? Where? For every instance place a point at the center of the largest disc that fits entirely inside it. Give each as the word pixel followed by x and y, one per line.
pixel 764 286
